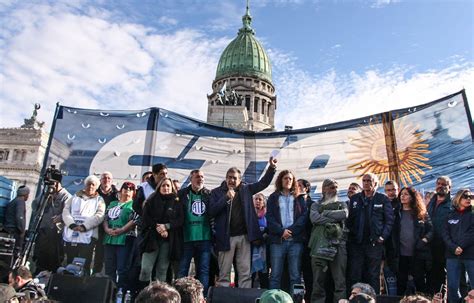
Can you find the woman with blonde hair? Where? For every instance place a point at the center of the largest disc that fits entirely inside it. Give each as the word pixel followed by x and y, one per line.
pixel 458 235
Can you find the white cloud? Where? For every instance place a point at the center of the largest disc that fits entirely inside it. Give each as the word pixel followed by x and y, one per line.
pixel 382 3
pixel 52 53
pixel 334 97
pixel 86 61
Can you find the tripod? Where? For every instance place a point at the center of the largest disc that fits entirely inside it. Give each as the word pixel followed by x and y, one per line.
pixel 45 198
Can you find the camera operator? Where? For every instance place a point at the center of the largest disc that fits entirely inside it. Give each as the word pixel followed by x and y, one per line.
pixel 49 253
pixel 15 217
pixel 22 281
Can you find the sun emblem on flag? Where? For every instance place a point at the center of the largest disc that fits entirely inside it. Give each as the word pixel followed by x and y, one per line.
pixel 370 152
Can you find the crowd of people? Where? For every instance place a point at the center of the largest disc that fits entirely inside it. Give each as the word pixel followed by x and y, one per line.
pixel 239 237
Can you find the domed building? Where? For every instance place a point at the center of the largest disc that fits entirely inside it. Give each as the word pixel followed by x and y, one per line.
pixel 243 96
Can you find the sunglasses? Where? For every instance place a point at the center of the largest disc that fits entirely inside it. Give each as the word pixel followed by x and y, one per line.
pixel 468 196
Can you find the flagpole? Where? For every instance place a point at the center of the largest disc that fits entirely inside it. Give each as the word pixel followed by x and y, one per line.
pixel 223 115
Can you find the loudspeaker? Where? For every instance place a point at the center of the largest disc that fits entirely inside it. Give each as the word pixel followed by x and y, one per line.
pixel 228 294
pixel 72 289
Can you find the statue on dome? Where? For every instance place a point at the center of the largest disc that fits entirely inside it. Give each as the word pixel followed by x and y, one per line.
pixel 228 96
pixel 32 122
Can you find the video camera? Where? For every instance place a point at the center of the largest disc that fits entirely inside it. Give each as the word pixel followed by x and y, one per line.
pixel 52 175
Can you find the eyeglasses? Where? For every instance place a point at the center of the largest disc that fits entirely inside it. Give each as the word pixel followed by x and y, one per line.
pixel 468 196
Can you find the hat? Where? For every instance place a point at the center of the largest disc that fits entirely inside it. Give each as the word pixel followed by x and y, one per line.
pixel 128 185
pixel 6 292
pixel 275 296
pixel 23 190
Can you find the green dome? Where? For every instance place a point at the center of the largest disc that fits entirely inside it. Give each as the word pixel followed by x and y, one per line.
pixel 245 56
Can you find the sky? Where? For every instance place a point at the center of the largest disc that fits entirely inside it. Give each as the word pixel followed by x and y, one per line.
pixel 332 60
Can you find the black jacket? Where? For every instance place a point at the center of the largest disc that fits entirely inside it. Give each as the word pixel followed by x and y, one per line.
pixel 459 231
pixel 220 210
pixel 160 209
pixel 438 215
pixel 380 217
pixel 15 211
pixel 274 225
pixel 393 241
pixel 309 225
pixel 423 229
pixel 111 196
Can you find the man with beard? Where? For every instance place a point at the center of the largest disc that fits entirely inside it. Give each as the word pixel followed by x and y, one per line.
pixel 48 253
pixel 22 281
pixel 370 222
pixel 328 243
pixel 438 209
pixel 236 222
pixel 391 251
pixel 354 188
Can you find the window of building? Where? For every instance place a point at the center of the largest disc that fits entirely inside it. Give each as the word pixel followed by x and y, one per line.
pixel 255 105
pixel 19 155
pixel 4 154
pixel 263 107
pixel 247 102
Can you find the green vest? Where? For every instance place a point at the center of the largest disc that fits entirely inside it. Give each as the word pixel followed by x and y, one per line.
pixel 196 219
pixel 118 215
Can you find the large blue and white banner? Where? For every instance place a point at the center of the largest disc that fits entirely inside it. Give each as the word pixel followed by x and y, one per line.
pixel 412 145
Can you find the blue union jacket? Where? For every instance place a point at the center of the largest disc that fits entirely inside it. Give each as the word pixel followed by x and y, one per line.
pixel 380 217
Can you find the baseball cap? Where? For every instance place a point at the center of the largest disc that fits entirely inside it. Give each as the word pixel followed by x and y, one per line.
pixel 275 296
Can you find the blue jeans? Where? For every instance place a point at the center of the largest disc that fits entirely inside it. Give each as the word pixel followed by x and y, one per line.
pixel 201 251
pixel 453 268
pixel 278 252
pixel 116 262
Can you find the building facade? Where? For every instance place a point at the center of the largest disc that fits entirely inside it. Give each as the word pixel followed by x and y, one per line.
pixel 22 150
pixel 243 96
